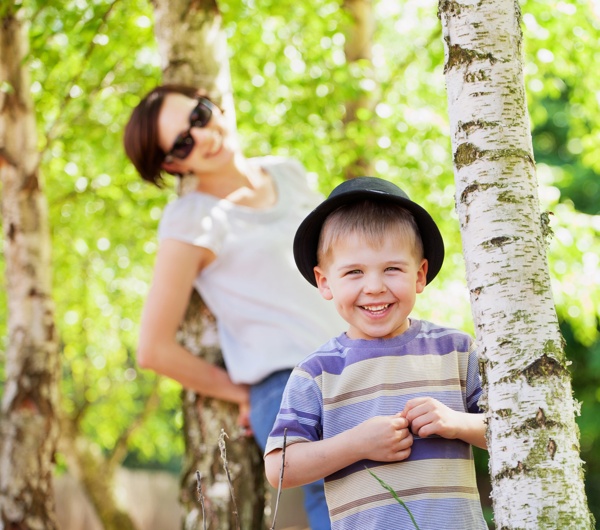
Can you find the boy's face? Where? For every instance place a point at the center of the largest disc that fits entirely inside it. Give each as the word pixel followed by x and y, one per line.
pixel 373 287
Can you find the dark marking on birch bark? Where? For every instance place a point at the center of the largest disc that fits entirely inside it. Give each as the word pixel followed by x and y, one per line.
pixel 552 448
pixel 538 422
pixel 479 75
pixel 547 232
pixel 449 7
pixel 468 126
pixel 464 57
pixel 540 417
pixel 544 367
pixel 507 197
pixel 467 153
pixel 476 292
pixel 497 242
pixel 6 159
pixel 31 182
pixel 471 188
pixel 509 472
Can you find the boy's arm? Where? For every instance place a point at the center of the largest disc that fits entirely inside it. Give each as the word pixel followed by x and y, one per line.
pixel 428 416
pixel 382 438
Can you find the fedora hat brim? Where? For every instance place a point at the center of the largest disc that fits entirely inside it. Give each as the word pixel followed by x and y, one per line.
pixel 307 236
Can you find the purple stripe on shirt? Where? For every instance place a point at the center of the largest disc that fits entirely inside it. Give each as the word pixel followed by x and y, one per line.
pixel 422 449
pixel 433 341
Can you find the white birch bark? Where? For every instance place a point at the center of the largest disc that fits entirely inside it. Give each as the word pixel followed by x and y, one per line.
pixel 536 470
pixel 28 421
pixel 193 48
pixel 358 47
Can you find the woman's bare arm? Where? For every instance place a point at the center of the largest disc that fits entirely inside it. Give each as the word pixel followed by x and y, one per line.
pixel 177 265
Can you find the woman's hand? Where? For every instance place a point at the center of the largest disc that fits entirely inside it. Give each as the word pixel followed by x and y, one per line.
pixel 243 419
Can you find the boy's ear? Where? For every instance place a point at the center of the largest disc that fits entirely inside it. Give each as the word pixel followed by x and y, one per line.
pixel 322 283
pixel 422 276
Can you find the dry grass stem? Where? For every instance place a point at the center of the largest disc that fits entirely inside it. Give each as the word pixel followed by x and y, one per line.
pixel 228 474
pixel 280 485
pixel 200 497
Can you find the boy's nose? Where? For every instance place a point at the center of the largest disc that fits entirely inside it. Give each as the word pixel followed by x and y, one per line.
pixel 374 284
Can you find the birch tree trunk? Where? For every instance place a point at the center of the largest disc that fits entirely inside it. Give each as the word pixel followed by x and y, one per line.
pixel 358 50
pixel 193 49
pixel 535 467
pixel 28 419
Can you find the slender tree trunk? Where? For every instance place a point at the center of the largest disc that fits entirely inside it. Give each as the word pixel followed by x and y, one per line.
pixel 96 470
pixel 358 51
pixel 96 475
pixel 193 49
pixel 28 422
pixel 535 467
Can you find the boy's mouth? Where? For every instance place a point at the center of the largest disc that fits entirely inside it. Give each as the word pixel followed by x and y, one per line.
pixel 375 308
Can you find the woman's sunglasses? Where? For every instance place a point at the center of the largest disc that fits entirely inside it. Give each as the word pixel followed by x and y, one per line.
pixel 184 143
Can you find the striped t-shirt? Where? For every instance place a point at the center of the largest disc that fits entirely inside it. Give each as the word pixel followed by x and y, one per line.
pixel 348 381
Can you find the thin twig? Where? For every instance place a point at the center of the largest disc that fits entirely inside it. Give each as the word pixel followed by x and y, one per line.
pixel 280 485
pixel 200 497
pixel 226 468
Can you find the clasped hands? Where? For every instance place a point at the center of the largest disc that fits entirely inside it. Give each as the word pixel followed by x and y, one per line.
pixel 390 438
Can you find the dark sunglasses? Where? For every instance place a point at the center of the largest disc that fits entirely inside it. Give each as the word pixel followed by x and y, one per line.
pixel 184 143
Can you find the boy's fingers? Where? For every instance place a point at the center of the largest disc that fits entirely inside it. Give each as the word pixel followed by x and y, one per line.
pixel 414 402
pixel 400 423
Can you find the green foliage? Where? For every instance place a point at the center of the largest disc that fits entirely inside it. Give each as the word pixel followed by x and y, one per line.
pixel 565 112
pixel 398 499
pixel 586 382
pixel 85 80
pixel 91 61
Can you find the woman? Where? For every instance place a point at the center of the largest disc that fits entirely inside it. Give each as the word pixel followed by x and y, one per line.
pixel 231 239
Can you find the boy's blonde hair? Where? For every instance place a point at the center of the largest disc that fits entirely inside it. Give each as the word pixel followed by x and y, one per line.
pixel 372 222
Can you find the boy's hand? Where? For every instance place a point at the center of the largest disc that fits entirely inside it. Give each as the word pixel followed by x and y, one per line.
pixel 384 438
pixel 428 416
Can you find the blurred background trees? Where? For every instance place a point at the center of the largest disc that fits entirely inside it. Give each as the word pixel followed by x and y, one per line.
pixel 89 64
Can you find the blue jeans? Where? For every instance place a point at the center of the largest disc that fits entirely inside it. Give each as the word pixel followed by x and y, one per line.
pixel 265 398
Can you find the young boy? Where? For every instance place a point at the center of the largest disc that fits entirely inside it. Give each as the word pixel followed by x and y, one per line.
pixel 392 395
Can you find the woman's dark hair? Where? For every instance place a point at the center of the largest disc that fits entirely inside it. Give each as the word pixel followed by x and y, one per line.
pixel 141 132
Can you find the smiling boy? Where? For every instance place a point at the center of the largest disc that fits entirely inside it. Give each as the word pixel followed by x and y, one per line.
pixel 392 394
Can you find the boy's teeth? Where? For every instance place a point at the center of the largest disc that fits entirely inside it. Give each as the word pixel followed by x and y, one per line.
pixel 375 307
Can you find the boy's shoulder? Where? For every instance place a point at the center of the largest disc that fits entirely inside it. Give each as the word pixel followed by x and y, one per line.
pixel 324 355
pixel 426 326
pixel 452 337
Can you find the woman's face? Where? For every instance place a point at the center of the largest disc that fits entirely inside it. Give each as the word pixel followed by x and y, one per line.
pixel 213 143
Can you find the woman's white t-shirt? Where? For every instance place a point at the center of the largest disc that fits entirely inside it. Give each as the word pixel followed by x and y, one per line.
pixel 268 316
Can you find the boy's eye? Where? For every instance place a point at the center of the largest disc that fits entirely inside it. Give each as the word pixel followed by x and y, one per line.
pixel 355 271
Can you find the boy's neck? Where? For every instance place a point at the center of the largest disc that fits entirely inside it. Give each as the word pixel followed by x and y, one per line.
pixel 401 331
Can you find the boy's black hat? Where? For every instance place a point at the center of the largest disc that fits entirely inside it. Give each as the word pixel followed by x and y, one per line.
pixel 354 190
